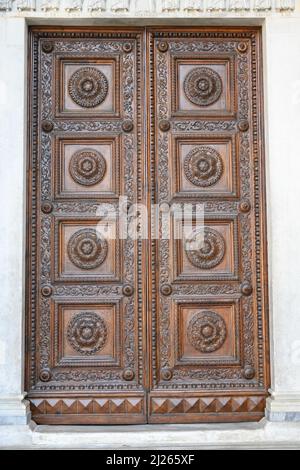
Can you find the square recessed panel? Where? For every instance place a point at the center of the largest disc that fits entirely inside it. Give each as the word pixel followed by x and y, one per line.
pixel 87 168
pixel 89 333
pixel 207 332
pixel 205 253
pixel 204 166
pixel 88 87
pixel 87 250
pixel 203 86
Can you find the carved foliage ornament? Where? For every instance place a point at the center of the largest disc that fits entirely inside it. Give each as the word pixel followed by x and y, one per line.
pixel 203 166
pixel 86 249
pixel 206 331
pixel 88 87
pixel 202 86
pixel 87 167
pixel 205 250
pixel 87 333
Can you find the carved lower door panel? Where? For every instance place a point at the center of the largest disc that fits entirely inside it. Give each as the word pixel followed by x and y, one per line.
pixel 209 328
pixel 85 358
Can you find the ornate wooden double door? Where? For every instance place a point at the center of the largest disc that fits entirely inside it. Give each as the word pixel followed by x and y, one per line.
pixel 125 125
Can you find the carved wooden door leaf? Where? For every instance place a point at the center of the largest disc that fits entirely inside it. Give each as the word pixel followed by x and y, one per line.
pixel 149 330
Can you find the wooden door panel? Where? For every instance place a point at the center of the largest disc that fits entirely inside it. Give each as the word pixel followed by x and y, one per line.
pixel 209 344
pixel 85 314
pixel 189 150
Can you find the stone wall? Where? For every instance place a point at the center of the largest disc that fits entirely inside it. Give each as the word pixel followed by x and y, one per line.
pixel 280 21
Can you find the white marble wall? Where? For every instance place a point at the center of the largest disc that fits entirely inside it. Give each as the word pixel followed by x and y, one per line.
pixel 12 177
pixel 282 74
pixel 282 93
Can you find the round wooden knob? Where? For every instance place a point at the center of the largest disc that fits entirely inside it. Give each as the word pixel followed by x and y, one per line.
pixel 46 291
pixel 164 206
pixel 47 126
pixel 242 47
pixel 162 46
pixel 249 372
pixel 246 288
pixel 243 125
pixel 128 374
pixel 126 207
pixel 47 207
pixel 164 125
pixel 128 290
pixel 245 206
pixel 45 375
pixel 166 374
pixel 47 47
pixel 127 47
pixel 166 289
pixel 127 126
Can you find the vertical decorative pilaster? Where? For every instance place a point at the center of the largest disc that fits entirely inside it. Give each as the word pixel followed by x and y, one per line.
pixel 239 5
pixel 5 5
pixel 285 4
pixel 96 5
pixel 145 6
pixel 50 5
pixel 216 5
pixel 72 5
pixel 120 6
pixel 170 5
pixel 25 5
pixel 192 5
pixel 262 4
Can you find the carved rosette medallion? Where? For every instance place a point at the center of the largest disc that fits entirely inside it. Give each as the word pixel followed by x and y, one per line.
pixel 205 250
pixel 203 166
pixel 87 167
pixel 88 87
pixel 87 333
pixel 86 249
pixel 206 331
pixel 202 86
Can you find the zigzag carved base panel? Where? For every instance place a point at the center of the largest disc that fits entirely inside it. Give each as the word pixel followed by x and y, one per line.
pixel 206 409
pixel 88 410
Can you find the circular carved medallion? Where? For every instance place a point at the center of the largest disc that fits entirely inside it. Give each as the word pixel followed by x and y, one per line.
pixel 127 47
pixel 86 249
pixel 203 166
pixel 88 87
pixel 47 47
pixel 249 372
pixel 87 333
pixel 47 126
pixel 163 46
pixel 166 374
pixel 127 125
pixel 87 167
pixel 205 250
pixel 166 289
pixel 45 375
pixel 206 331
pixel 243 125
pixel 128 374
pixel 164 125
pixel 202 86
